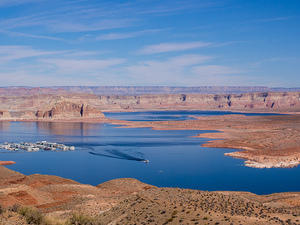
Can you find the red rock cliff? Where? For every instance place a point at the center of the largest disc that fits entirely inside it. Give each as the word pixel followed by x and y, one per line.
pixel 69 110
pixel 4 114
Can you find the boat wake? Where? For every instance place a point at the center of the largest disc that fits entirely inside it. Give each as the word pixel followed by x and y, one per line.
pixel 116 154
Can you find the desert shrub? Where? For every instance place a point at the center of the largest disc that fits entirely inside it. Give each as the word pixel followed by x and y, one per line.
pixel 80 219
pixel 1 209
pixel 32 216
pixel 14 208
pixel 50 220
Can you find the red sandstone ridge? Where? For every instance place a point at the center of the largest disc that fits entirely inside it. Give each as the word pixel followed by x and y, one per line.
pixel 247 102
pixel 69 110
pixel 5 163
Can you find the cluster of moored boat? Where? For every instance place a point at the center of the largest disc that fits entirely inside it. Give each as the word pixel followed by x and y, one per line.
pixel 35 147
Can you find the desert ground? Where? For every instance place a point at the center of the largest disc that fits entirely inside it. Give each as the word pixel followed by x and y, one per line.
pixel 128 201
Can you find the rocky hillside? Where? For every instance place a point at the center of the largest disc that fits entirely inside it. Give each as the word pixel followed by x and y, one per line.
pixel 128 201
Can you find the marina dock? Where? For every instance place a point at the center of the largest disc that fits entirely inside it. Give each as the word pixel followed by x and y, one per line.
pixel 37 146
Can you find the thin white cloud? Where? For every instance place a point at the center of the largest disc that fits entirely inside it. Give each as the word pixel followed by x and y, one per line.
pixel 62 24
pixel 170 64
pixel 118 36
pixel 182 70
pixel 106 24
pixel 20 34
pixel 75 66
pixel 83 16
pixel 207 70
pixel 172 47
pixel 29 61
pixel 177 6
pixel 33 78
pixel 85 68
pixel 70 17
pixel 6 3
pixel 15 52
pixel 19 52
pixel 275 60
pixel 23 65
pixel 272 19
pixel 163 71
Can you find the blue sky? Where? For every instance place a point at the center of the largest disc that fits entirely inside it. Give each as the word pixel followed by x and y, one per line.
pixel 150 42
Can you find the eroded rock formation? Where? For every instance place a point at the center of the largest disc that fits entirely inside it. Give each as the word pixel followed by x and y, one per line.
pixel 69 110
pixel 4 114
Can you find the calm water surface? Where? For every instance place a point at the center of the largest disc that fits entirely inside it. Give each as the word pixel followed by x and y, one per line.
pixel 104 152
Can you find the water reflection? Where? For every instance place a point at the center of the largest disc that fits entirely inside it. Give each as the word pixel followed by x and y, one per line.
pixel 4 126
pixel 69 129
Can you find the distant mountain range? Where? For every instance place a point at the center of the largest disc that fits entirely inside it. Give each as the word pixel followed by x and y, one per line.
pixel 141 90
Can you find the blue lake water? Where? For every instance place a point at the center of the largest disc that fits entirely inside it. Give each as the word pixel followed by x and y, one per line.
pixel 104 152
pixel 173 115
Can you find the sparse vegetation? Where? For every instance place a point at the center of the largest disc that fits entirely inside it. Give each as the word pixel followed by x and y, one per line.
pixel 14 208
pixel 1 209
pixel 80 219
pixel 32 216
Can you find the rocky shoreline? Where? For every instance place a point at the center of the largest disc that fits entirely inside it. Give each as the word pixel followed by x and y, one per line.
pixel 267 161
pixel 6 163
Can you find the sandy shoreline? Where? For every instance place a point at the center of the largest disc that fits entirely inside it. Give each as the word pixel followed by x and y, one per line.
pixel 6 163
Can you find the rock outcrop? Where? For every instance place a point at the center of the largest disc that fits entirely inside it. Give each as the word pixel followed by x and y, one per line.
pixel 69 110
pixel 4 114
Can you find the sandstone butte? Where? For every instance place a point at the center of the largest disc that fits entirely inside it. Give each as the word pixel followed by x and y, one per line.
pixel 59 111
pixel 129 201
